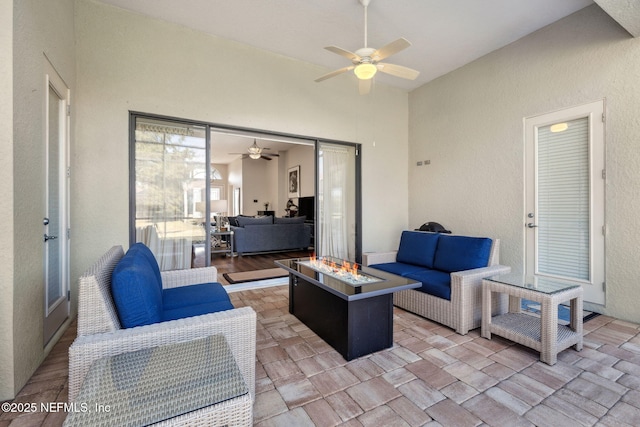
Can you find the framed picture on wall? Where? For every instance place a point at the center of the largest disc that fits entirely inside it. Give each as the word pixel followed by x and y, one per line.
pixel 294 181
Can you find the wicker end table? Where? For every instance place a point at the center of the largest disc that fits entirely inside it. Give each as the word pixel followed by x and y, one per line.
pixel 544 334
pixel 191 383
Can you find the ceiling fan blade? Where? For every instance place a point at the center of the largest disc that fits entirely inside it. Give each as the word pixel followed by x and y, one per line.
pixel 343 52
pixel 335 73
pixel 398 71
pixel 390 49
pixel 364 86
pixel 265 157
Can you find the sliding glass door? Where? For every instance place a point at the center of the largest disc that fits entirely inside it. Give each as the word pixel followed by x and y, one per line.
pixel 338 189
pixel 169 189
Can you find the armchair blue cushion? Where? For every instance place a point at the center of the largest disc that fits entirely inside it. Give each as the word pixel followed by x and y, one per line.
pixel 136 287
pixel 136 291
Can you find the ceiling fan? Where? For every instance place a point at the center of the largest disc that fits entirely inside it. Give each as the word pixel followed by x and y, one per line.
pixel 255 152
pixel 366 60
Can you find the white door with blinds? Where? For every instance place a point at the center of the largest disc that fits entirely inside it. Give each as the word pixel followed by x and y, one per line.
pixel 565 197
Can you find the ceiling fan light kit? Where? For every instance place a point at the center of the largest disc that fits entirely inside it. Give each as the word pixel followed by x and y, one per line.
pixel 366 60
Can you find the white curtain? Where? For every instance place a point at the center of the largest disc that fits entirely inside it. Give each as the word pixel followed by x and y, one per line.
pixel 336 165
pixel 171 254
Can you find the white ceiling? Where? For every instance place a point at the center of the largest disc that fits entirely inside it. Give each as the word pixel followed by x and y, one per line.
pixel 445 34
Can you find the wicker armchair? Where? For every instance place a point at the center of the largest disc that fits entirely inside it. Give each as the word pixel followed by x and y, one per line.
pixel 100 333
pixel 463 311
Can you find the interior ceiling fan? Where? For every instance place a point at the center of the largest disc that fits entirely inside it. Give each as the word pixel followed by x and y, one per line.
pixel 255 152
pixel 366 61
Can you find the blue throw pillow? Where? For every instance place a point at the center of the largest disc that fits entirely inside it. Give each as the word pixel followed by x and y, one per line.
pixel 417 247
pixel 459 253
pixel 136 293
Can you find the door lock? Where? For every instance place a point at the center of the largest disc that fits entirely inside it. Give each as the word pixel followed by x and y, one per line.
pixel 45 221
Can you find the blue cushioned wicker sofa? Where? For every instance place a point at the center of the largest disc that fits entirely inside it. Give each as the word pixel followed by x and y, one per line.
pixel 451 269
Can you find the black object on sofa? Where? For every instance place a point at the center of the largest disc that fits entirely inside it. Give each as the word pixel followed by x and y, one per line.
pixel 269 234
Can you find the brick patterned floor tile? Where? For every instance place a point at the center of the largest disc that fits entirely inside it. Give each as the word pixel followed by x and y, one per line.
pixel 438 357
pixel 611 385
pixel 449 413
pixel 300 351
pixel 470 357
pixel 516 357
pixel 267 405
pixel 587 405
pixel 599 369
pixel 281 369
pixel 387 360
pixel 382 416
pixel 570 410
pixel 330 359
pixel 298 393
pixel 344 405
pixel 521 392
pixel 271 354
pixel 297 417
pixel 414 344
pixel 322 414
pixel 494 413
pixel 459 391
pixel 498 371
pixel 405 354
pixel 632 397
pixel 421 394
pixel 331 381
pixel 431 374
pixel 594 392
pixel 409 412
pixel 533 384
pixel 627 413
pixel 544 416
pixel 310 366
pixel 508 400
pixel 372 393
pixel 475 378
pixel 554 378
pixel 399 376
pixel 364 369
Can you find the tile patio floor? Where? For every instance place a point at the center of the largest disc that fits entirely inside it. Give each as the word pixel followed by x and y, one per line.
pixel 431 376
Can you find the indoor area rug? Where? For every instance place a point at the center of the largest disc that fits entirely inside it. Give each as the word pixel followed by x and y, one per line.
pixel 533 308
pixel 251 276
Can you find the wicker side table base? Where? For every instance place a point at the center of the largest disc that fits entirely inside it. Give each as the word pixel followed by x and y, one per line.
pixel 544 334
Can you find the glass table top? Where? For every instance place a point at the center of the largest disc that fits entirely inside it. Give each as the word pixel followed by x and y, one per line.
pixel 155 384
pixel 373 282
pixel 545 285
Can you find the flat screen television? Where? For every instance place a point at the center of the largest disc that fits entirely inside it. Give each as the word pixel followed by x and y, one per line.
pixel 307 207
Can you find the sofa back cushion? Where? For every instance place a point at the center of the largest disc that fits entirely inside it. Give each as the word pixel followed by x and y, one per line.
pixel 136 291
pixel 247 220
pixel 292 220
pixel 417 247
pixel 459 253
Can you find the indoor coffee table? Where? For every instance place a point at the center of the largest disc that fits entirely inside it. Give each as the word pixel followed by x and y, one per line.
pixel 543 334
pixel 355 317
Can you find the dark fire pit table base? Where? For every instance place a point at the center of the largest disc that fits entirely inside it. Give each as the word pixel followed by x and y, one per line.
pixel 355 320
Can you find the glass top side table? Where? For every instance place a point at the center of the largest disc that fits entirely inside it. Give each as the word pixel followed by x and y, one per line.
pixel 544 334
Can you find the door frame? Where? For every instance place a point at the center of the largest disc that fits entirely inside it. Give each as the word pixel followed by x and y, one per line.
pixel 595 111
pixel 55 316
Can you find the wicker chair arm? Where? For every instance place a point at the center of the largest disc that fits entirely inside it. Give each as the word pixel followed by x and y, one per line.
pixel 462 278
pixel 193 276
pixel 237 325
pixel 378 257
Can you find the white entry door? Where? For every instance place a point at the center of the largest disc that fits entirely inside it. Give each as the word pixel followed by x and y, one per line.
pixel 565 183
pixel 55 221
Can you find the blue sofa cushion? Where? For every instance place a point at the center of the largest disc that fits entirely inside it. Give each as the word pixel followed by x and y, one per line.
pixel 398 268
pixel 459 253
pixel 293 220
pixel 434 282
pixel 153 263
pixel 417 247
pixel 135 290
pixel 247 220
pixel 196 310
pixel 184 296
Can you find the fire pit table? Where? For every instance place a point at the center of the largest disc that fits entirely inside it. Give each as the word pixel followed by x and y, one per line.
pixel 348 306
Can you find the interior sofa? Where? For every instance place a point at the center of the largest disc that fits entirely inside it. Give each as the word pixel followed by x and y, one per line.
pixel 451 269
pixel 269 234
pixel 190 305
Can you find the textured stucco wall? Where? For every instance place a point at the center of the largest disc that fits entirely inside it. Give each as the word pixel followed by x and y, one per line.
pixel 40 28
pixel 6 201
pixel 469 123
pixel 129 62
